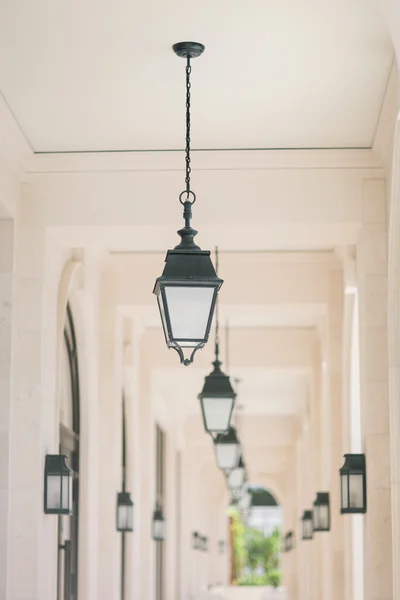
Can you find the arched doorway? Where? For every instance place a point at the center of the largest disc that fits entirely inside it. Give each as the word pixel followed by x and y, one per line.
pixel 68 526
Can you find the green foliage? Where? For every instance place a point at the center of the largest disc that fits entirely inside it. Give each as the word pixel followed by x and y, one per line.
pixel 255 552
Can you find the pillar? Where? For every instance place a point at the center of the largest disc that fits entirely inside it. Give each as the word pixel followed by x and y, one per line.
pixel 372 270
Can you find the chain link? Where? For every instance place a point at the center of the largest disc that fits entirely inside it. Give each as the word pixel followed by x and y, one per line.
pixel 187 149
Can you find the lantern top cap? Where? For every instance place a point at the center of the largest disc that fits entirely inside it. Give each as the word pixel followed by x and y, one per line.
pixel 217 384
pixel 322 499
pixel 289 534
pixel 307 515
pixel 158 515
pixel 124 499
pixel 229 437
pixel 56 463
pixel 353 462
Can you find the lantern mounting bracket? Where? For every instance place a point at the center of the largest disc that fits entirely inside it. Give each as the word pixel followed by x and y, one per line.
pixel 188 49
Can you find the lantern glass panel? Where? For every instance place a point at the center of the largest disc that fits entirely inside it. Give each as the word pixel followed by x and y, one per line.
pixel 321 517
pixel 217 413
pixel 356 490
pixel 189 312
pixel 54 492
pixel 228 455
pixel 345 490
pixel 125 518
pixel 236 478
pixel 158 530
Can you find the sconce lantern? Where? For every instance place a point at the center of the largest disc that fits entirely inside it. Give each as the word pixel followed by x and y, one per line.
pixel 353 485
pixel 322 512
pixel 124 512
pixel 196 541
pixel 307 525
pixel 187 289
pixel 221 546
pixel 57 485
pixel 158 525
pixel 236 477
pixel 203 543
pixel 227 450
pixel 288 543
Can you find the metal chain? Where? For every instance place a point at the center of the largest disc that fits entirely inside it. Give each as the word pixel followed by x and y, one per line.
pixel 187 149
pixel 216 308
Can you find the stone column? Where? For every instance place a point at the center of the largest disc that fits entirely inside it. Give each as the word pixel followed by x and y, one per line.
pixel 110 448
pixel 334 367
pixel 372 271
pixel 6 308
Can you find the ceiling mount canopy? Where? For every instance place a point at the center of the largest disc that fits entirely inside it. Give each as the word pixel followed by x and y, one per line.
pixel 187 290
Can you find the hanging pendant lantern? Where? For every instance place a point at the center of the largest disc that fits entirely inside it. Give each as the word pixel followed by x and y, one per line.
pixel 57 485
pixel 227 450
pixel 187 290
pixel 158 525
pixel 353 485
pixel 322 512
pixel 307 525
pixel 217 397
pixel 245 500
pixel 236 478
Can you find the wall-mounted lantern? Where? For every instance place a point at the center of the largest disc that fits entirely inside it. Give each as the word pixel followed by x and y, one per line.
pixel 322 512
pixel 221 546
pixel 124 512
pixel 353 485
pixel 158 532
pixel 307 525
pixel 288 541
pixel 195 540
pixel 227 450
pixel 57 485
pixel 203 543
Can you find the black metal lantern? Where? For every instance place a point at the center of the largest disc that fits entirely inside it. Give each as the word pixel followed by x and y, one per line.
pixel 187 290
pixel 124 512
pixel 158 525
pixel 288 543
pixel 245 499
pixel 221 546
pixel 57 485
pixel 322 512
pixel 353 485
pixel 236 478
pixel 195 540
pixel 227 450
pixel 204 543
pixel 307 525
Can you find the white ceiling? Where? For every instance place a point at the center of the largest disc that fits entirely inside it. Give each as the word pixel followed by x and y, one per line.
pixel 87 75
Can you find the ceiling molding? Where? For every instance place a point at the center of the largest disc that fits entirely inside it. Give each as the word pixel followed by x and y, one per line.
pixel 384 135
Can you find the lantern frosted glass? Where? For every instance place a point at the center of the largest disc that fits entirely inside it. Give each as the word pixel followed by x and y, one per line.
pixel 245 500
pixel 322 512
pixel 158 532
pixel 57 485
pixel 288 545
pixel 353 485
pixel 307 525
pixel 186 295
pixel 124 512
pixel 217 400
pixel 227 450
pixel 236 477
